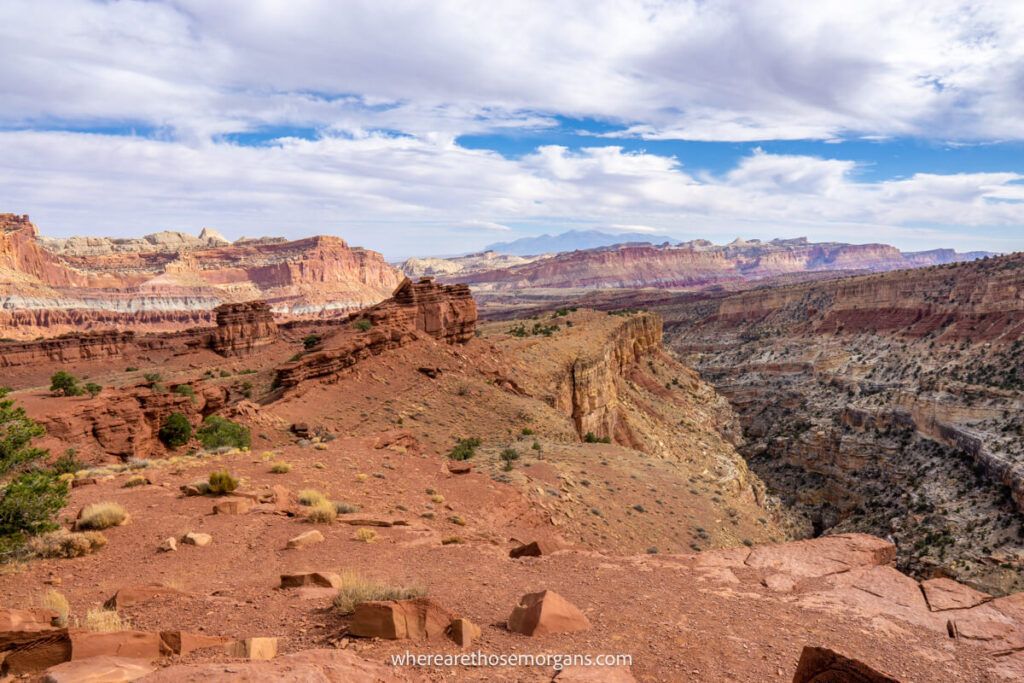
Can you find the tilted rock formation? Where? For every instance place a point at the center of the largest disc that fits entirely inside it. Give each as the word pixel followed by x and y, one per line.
pixel 446 313
pixel 170 280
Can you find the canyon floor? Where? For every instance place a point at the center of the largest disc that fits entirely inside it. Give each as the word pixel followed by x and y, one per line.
pixel 626 470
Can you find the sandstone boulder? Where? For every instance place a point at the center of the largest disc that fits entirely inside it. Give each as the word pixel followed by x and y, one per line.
pixel 464 632
pixel 133 595
pixel 323 579
pixel 197 539
pixel 253 648
pixel 821 665
pixel 546 612
pixel 39 653
pixel 944 594
pixel 305 539
pixel 416 619
pixel 536 548
pixel 184 642
pixel 132 644
pixel 99 670
pixel 232 506
pixel 19 625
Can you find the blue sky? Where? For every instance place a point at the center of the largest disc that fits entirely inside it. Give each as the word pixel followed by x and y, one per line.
pixel 435 128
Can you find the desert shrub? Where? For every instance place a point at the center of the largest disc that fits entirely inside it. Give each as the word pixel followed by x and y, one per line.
pixel 280 468
pixel 152 377
pixel 343 508
pixel 65 384
pixel 175 431
pixel 137 480
pixel 356 589
pixel 311 497
pixel 363 325
pixel 464 449
pixel 131 368
pixel 64 543
pixel 93 389
pixel 56 601
pixel 217 431
pixel 527 432
pixel 185 390
pixel 366 535
pixel 322 513
pixel 105 621
pixel 310 341
pixel 436 498
pixel 508 456
pixel 28 505
pixel 100 516
pixel 221 482
pixel 590 437
pixel 67 463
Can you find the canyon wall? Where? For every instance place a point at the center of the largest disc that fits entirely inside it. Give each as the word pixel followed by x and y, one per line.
pixel 171 281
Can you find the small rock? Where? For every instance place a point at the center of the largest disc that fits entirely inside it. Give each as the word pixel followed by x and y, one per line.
pixel 464 632
pixel 197 539
pixel 232 506
pixel 253 648
pixel 305 539
pixel 546 612
pixel 168 545
pixel 535 549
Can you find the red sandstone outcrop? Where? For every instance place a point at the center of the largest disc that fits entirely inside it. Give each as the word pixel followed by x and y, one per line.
pixel 243 328
pixel 417 310
pixel 170 283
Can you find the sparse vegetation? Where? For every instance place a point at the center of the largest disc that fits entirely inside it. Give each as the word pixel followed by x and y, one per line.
pixel 67 463
pixel 311 497
pixel 185 390
pixel 221 482
pixel 343 508
pixel 93 389
pixel 105 621
pixel 363 325
pixel 28 506
pixel 98 516
pixel 464 449
pixel 137 480
pixel 310 341
pixel 65 544
pixel 175 431
pixel 217 432
pixel 590 437
pixel 356 589
pixel 365 535
pixel 56 601
pixel 322 512
pixel 280 468
pixel 65 384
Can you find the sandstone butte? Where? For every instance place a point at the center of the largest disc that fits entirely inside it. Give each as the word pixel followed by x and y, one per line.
pixel 593 444
pixel 172 281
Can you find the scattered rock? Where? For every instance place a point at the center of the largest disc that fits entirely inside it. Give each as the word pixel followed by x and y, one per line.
pixel 184 642
pixel 305 539
pixel 197 539
pixel 464 632
pixel 546 612
pixel 133 595
pixel 103 669
pixel 944 594
pixel 168 545
pixel 416 619
pixel 253 648
pixel 820 664
pixel 232 506
pixel 325 579
pixel 535 548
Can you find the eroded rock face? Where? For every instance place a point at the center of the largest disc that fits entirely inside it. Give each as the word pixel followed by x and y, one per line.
pixel 446 313
pixel 173 281
pixel 243 328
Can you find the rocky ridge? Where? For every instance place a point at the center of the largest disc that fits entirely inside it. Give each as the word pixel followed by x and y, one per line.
pixel 166 281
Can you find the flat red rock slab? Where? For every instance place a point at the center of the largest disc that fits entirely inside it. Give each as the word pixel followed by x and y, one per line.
pixel 943 594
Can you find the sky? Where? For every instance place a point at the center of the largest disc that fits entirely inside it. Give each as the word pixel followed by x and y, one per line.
pixel 436 127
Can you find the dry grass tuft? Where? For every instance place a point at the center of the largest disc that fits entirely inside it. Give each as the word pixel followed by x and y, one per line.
pixel 101 516
pixel 365 535
pixel 105 621
pixel 280 468
pixel 56 601
pixel 137 480
pixel 356 589
pixel 65 543
pixel 311 497
pixel 322 513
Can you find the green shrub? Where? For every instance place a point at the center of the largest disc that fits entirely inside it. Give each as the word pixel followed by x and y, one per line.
pixel 464 449
pixel 175 431
pixel 363 325
pixel 30 502
pixel 221 482
pixel 152 377
pixel 592 438
pixel 311 341
pixel 217 431
pixel 65 384
pixel 67 463
pixel 185 390
pixel 508 456
pixel 93 389
pixel 16 433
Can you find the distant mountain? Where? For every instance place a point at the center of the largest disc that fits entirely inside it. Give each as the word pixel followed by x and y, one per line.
pixel 571 241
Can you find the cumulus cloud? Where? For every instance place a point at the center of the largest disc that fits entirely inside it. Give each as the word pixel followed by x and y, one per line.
pixel 369 99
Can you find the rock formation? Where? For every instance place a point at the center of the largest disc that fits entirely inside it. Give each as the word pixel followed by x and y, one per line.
pixel 446 313
pixel 170 280
pixel 243 328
